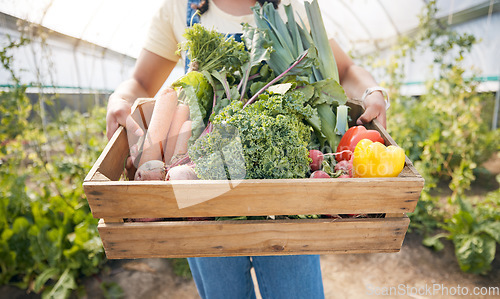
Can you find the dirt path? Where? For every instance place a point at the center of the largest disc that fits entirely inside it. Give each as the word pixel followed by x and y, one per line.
pixel 412 273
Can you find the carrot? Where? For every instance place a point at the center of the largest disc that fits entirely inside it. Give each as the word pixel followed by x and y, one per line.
pixel 181 145
pixel 181 115
pixel 159 126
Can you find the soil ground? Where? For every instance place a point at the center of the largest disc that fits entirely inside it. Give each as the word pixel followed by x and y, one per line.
pixel 414 272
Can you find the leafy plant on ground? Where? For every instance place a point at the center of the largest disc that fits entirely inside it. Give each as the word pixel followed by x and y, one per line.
pixel 446 135
pixel 474 229
pixel 48 237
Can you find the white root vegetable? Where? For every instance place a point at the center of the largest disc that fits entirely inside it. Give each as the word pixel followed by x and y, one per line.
pixel 159 126
pixel 153 170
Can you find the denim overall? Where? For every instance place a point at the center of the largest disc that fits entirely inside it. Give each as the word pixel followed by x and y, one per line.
pixel 287 277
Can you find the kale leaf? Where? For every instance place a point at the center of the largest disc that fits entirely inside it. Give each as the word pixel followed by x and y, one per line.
pixel 273 139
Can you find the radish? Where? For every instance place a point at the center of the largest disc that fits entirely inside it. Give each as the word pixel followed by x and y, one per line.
pixel 153 170
pixel 345 167
pixel 317 159
pixel 319 174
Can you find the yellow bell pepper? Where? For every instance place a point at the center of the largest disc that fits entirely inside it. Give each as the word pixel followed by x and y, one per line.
pixel 373 159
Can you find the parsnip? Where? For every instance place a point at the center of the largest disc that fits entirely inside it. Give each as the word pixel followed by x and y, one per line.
pixel 159 126
pixel 181 115
pixel 181 145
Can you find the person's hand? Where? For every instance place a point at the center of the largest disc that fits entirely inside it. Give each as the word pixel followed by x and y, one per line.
pixel 374 108
pixel 118 114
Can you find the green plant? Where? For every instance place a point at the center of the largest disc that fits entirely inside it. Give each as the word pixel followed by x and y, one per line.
pixel 181 267
pixel 111 290
pixel 48 237
pixel 474 230
pixel 446 135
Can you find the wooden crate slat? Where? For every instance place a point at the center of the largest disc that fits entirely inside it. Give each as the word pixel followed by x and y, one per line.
pixel 236 238
pixel 111 162
pixel 252 197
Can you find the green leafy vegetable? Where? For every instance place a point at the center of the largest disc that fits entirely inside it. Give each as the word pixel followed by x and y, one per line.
pixel 259 49
pixel 474 232
pixel 273 138
pixel 218 155
pixel 328 65
pixel 209 50
pixel 288 41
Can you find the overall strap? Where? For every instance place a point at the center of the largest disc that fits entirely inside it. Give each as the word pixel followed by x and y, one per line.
pixel 191 16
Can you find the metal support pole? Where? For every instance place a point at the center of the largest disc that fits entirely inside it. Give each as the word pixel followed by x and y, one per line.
pixel 494 123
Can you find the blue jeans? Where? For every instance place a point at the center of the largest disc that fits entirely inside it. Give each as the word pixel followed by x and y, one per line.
pixel 293 276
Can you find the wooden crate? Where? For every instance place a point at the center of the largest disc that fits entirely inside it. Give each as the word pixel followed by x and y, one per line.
pixel 112 200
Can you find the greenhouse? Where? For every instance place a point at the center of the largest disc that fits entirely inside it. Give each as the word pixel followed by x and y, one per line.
pixel 261 153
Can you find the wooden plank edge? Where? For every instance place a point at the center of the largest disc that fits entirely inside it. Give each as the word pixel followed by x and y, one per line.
pixel 104 221
pixel 123 255
pixel 102 197
pixel 99 177
pixel 395 215
pixel 169 224
pixel 102 156
pixel 361 181
pixel 111 142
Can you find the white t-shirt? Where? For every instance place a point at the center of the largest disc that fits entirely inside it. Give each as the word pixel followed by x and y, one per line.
pixel 169 23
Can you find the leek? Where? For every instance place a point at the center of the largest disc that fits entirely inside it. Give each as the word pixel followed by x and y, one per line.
pixel 328 65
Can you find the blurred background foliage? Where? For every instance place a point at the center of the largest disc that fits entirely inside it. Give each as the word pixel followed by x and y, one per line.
pixel 48 237
pixel 446 132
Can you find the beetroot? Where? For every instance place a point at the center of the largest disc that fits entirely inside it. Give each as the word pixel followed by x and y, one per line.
pixel 181 172
pixel 319 174
pixel 153 170
pixel 317 159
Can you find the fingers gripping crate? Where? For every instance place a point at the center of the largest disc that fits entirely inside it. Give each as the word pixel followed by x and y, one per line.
pixel 112 200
